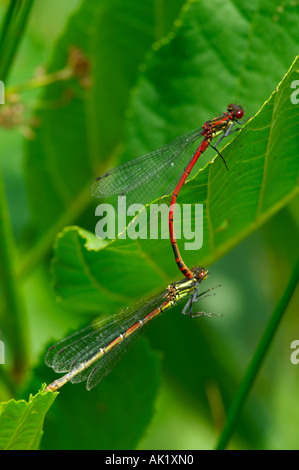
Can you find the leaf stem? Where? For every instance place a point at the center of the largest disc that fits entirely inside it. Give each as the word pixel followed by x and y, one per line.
pixel 257 360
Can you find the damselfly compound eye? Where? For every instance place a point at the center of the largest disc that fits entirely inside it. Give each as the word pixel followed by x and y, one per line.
pixel 239 114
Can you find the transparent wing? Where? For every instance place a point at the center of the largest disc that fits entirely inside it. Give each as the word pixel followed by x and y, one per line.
pixel 150 175
pixel 82 345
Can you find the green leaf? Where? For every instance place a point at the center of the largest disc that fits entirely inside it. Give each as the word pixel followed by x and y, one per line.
pixel 262 178
pixel 93 280
pixel 80 130
pixel 203 65
pixel 221 52
pixel 21 422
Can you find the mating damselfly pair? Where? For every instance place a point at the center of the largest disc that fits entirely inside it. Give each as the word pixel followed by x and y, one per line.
pixel 90 354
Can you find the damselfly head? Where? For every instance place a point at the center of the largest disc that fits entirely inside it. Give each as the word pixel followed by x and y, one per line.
pixel 236 110
pixel 200 273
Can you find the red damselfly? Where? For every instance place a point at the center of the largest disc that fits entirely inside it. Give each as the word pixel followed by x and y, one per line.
pixel 211 129
pixel 157 172
pixel 91 353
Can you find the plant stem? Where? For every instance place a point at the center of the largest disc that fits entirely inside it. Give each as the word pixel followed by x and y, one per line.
pixel 8 18
pixel 13 28
pixel 13 307
pixel 257 360
pixel 42 80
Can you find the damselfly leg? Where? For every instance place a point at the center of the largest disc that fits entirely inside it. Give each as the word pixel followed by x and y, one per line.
pixel 196 297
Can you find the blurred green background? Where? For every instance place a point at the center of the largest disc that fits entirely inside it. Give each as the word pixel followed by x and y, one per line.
pixel 158 69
